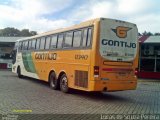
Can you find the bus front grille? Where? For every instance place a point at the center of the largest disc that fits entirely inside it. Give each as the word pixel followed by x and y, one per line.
pixel 81 78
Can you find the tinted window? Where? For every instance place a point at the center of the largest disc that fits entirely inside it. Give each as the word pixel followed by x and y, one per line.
pixel 38 43
pixel 77 38
pixel 30 44
pixel 60 41
pixel 54 42
pixel 89 37
pixel 42 43
pixel 25 45
pixel 68 39
pixel 48 39
pixel 20 46
pixel 84 37
pixel 33 44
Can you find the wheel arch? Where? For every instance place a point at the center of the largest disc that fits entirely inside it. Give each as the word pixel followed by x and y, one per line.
pixel 51 72
pixel 60 74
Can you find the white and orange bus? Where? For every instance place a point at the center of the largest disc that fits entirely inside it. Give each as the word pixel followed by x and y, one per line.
pixel 96 55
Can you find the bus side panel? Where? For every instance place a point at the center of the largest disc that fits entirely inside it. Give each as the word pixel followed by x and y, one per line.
pixel 24 60
pixel 27 65
pixel 75 63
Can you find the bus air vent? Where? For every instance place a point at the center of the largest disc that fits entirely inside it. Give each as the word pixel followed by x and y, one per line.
pixel 81 78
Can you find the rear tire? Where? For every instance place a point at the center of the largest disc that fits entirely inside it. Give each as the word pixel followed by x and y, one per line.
pixel 64 83
pixel 53 81
pixel 19 72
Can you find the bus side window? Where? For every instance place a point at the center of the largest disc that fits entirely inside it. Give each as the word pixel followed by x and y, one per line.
pixel 30 45
pixel 84 37
pixel 54 42
pixel 68 39
pixel 42 43
pixel 48 39
pixel 38 43
pixel 22 45
pixel 60 41
pixel 26 45
pixel 87 35
pixel 33 44
pixel 77 38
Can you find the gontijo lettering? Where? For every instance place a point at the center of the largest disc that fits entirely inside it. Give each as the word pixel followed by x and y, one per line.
pixel 118 43
pixel 46 56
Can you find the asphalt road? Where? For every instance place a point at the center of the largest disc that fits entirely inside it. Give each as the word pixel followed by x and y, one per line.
pixel 30 96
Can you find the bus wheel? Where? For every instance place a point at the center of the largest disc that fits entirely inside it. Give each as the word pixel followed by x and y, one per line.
pixel 64 83
pixel 53 81
pixel 19 72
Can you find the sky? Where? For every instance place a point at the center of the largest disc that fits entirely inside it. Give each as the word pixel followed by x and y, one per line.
pixel 46 15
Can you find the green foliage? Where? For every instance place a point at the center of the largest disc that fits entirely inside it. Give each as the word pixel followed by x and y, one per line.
pixel 13 32
pixel 149 33
pixel 157 34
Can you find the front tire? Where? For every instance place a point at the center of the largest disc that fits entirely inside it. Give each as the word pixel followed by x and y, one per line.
pixel 53 81
pixel 64 83
pixel 19 72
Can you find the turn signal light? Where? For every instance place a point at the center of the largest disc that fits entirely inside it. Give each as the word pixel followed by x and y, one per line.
pixel 136 71
pixel 96 70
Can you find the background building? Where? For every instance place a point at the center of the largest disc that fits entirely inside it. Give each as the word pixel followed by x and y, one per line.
pixel 6 47
pixel 149 57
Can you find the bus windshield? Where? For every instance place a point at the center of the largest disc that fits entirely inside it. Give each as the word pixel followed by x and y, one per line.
pixel 118 40
pixel 14 52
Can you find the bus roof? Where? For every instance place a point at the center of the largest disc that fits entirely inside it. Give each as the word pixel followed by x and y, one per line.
pixel 77 26
pixel 81 25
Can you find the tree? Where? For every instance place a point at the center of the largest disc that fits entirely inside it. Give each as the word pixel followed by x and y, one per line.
pixel 25 33
pixel 12 32
pixel 147 33
pixel 150 34
pixel 139 34
pixel 6 32
pixel 33 32
pixel 157 34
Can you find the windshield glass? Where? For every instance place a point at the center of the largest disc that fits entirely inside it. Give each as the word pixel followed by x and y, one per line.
pixel 14 53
